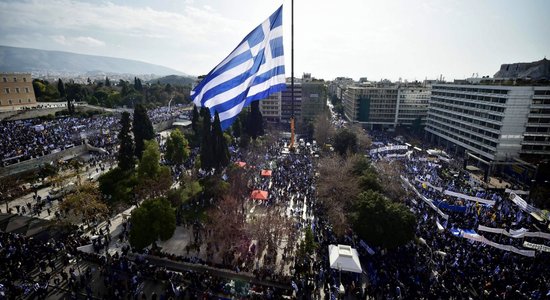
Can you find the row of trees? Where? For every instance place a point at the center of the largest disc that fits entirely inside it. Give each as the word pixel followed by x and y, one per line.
pixel 108 94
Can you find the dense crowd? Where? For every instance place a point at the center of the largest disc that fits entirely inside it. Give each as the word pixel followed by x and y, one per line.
pixel 445 265
pixel 26 139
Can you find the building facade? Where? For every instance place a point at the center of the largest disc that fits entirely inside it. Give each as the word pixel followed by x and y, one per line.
pixel 386 105
pixel 314 99
pixel 412 104
pixel 286 102
pixel 494 122
pixel 16 89
pixel 271 108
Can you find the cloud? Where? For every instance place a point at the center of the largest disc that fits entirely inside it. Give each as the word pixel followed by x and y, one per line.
pixel 106 28
pixel 70 15
pixel 84 40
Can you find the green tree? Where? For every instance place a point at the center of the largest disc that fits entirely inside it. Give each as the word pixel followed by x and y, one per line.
pixel 221 153
pixel 117 185
pixel 149 166
pixel 345 141
pixel 126 159
pixel 74 91
pixel 214 187
pixel 382 222
pixel 137 84
pixel 191 190
pixel 254 124
pixel 195 120
pixel 308 245
pixel 107 82
pixel 237 128
pixel 153 179
pixel 207 151
pixel 142 128
pixel 36 87
pixel 154 219
pixel 61 88
pixel 177 147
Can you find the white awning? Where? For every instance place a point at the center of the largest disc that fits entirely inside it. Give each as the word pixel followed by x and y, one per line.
pixel 344 258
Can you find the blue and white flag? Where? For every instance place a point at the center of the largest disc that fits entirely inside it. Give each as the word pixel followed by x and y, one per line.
pixel 253 71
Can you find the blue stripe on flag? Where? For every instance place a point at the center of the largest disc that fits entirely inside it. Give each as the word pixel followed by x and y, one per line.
pixel 276 88
pixel 255 37
pixel 276 19
pixel 235 61
pixel 269 74
pixel 276 47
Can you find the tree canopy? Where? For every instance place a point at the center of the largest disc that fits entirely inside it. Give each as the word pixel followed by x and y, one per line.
pixel 345 141
pixel 84 204
pixel 254 126
pixel 382 222
pixel 219 143
pixel 153 179
pixel 142 128
pixel 117 185
pixel 154 219
pixel 177 147
pixel 126 159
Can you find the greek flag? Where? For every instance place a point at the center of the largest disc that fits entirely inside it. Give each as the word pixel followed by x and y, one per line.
pixel 253 71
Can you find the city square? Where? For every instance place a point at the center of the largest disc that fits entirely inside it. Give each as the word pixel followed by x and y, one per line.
pixel 123 179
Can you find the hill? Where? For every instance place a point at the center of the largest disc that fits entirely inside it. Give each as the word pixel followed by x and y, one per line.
pixel 14 59
pixel 174 80
pixel 536 70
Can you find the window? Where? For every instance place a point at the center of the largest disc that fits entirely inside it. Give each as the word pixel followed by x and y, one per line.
pixel 24 79
pixel 27 90
pixel 11 102
pixel 7 90
pixel 17 90
pixel 4 79
pixel 14 79
pixel 29 100
pixel 19 101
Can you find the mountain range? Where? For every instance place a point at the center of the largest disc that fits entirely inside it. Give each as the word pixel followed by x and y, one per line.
pixel 14 59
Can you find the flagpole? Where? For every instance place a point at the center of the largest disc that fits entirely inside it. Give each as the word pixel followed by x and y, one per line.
pixel 292 73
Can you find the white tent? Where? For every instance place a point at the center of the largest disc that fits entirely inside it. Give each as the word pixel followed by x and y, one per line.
pixel 344 258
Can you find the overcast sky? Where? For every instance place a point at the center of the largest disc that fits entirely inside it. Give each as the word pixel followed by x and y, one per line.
pixel 354 38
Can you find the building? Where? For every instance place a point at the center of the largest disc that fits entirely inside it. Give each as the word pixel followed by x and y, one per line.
pixel 310 97
pixel 271 108
pixel 491 122
pixel 338 86
pixel 413 104
pixel 314 99
pixel 386 105
pixel 16 89
pixel 286 102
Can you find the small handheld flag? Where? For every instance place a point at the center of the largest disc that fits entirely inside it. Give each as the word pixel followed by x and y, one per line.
pixel 253 71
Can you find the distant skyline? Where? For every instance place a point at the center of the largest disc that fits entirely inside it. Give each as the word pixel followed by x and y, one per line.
pixel 353 38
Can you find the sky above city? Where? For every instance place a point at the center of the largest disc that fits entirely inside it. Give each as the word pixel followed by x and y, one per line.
pixel 412 40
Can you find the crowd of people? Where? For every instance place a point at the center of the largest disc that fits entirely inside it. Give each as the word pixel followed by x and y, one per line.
pixel 27 139
pixel 445 265
pixel 441 264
